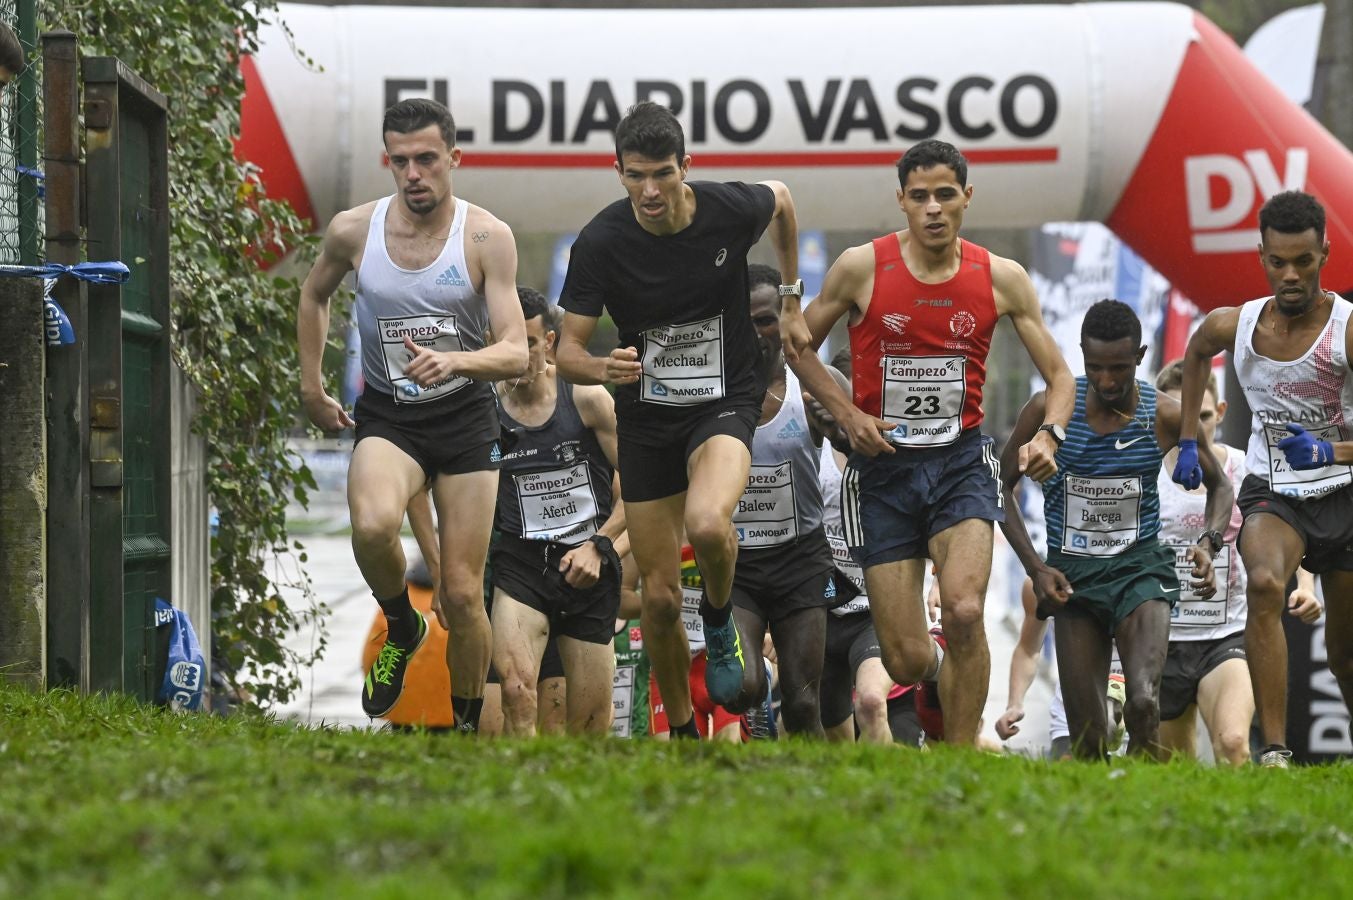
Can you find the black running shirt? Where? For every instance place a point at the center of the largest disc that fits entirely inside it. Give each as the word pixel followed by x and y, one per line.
pixel 680 300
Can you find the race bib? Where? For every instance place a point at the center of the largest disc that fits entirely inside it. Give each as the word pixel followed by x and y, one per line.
pixel 435 332
pixel 1308 483
pixel 690 618
pixel 1103 514
pixel 847 566
pixel 765 516
pixel 622 700
pixel 1193 611
pixel 924 395
pixel 557 505
pixel 683 364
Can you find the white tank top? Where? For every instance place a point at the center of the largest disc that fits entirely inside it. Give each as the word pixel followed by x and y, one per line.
pixel 435 306
pixel 1313 391
pixel 782 501
pixel 829 473
pixel 1183 518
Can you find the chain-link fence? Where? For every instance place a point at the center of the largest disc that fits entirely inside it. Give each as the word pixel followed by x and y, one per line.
pixel 20 177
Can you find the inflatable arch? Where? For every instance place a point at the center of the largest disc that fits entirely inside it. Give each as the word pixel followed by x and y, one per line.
pixel 1144 116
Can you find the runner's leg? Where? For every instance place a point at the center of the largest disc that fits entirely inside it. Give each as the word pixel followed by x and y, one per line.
pixel 717 471
pixel 1084 650
pixel 1143 638
pixel 465 504
pixel 1271 550
pixel 800 642
pixel 962 553
pixel 519 636
pixel 1226 698
pixel 590 670
pixel 655 539
pixel 1338 590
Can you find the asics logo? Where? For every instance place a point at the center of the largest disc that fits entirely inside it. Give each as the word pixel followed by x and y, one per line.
pixel 723 254
pixel 1123 445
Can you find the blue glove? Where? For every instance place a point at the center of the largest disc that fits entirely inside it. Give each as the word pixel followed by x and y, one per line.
pixel 1188 472
pixel 1304 450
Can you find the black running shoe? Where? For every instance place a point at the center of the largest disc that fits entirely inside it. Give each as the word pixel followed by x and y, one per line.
pixel 385 681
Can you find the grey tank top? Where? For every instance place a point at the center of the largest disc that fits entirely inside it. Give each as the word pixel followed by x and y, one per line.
pixel 783 499
pixel 435 306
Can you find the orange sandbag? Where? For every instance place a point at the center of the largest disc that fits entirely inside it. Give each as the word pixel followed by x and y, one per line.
pixel 427 684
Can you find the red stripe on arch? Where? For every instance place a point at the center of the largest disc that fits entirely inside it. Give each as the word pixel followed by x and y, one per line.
pixel 832 158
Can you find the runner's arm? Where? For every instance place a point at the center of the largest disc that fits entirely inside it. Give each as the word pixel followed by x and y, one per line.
pixel 597 409
pixel 843 284
pixel 1049 583
pixel 820 422
pixel 506 357
pixel 1217 333
pixel 784 237
pixel 577 365
pixel 337 251
pixel 1220 493
pixel 1015 294
pixel 1023 664
pixel 1302 602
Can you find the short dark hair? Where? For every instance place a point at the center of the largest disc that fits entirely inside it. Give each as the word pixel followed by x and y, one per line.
pixel 417 113
pixel 12 56
pixel 759 274
pixel 1292 212
pixel 650 130
pixel 1171 378
pixel 1111 320
pixel 533 303
pixel 932 153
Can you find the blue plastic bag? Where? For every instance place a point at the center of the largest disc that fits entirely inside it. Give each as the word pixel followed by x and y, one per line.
pixel 185 672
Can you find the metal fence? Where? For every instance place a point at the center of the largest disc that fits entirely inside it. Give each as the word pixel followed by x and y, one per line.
pixel 20 177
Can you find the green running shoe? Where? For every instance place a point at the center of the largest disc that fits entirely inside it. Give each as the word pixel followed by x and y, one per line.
pixel 723 669
pixel 385 681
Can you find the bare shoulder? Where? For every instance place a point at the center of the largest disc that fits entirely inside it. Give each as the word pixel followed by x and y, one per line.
pixel 346 235
pixel 595 404
pixel 1013 288
pixel 482 226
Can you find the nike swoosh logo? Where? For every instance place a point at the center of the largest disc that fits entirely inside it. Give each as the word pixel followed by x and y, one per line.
pixel 1168 589
pixel 1123 445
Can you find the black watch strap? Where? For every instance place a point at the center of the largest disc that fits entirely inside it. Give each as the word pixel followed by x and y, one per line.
pixel 1214 538
pixel 603 543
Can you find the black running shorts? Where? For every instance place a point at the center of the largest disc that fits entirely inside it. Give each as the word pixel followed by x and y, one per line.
pixel 528 572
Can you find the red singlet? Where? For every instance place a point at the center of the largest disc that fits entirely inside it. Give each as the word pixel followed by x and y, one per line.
pixel 919 354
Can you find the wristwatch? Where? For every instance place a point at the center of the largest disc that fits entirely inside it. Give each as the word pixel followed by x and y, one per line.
pixel 603 543
pixel 1215 538
pixel 792 290
pixel 1057 431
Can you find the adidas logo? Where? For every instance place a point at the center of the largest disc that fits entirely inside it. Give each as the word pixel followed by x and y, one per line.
pixel 452 277
pixel 792 430
pixel 496 454
pixel 830 592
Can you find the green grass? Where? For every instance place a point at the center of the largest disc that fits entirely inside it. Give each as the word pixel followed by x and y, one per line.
pixel 99 797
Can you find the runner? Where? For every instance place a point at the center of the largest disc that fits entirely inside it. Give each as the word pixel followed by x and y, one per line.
pixel 1205 670
pixel 1107 578
pixel 1290 351
pixel 669 264
pixel 785 577
pixel 857 693
pixel 711 719
pixel 922 305
pixel 434 272
pixel 556 564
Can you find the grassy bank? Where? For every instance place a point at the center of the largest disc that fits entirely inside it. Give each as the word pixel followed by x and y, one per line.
pixel 101 797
